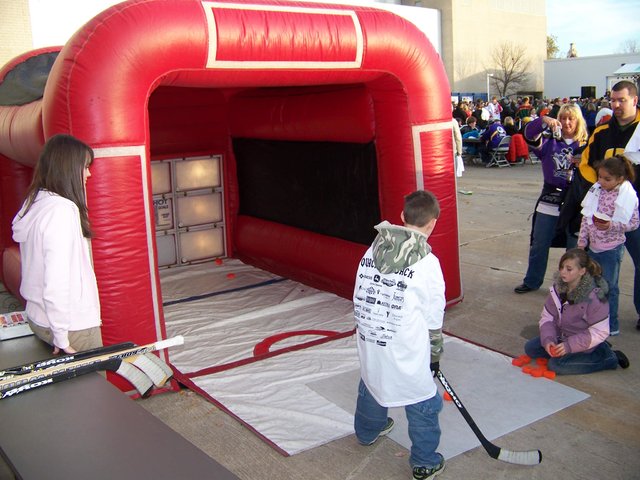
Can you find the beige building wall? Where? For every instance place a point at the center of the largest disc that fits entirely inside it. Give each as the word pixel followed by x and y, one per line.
pixel 472 29
pixel 15 29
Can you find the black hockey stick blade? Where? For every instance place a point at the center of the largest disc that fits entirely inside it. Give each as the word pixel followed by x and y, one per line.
pixel 530 457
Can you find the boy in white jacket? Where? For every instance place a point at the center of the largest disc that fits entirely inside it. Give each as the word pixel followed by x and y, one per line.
pixel 399 307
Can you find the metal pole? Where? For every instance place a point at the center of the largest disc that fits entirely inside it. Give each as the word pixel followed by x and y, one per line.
pixel 488 75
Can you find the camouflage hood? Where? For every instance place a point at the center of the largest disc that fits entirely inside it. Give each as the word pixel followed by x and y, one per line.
pixel 398 247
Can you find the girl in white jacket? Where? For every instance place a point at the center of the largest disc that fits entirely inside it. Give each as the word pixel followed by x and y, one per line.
pixel 52 228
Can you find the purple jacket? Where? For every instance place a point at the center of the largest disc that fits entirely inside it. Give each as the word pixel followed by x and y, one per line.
pixel 581 325
pixel 493 134
pixel 555 155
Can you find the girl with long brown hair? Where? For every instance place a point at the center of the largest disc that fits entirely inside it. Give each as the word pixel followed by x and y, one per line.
pixel 53 230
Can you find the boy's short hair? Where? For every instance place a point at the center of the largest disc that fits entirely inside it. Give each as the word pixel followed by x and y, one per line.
pixel 471 119
pixel 420 207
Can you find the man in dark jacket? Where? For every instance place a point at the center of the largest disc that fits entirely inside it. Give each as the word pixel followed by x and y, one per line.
pixel 606 141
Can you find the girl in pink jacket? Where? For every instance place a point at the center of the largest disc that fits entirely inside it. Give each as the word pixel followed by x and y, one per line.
pixel 609 210
pixel 574 324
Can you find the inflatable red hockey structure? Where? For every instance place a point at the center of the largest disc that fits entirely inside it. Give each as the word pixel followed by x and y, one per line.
pixel 324 117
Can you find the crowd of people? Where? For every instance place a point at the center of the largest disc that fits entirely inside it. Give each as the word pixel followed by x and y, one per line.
pixel 513 115
pixel 594 110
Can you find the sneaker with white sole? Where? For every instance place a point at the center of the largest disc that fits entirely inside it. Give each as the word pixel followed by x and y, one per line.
pixel 385 431
pixel 423 473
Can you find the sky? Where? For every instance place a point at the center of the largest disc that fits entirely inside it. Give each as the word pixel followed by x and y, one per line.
pixel 596 27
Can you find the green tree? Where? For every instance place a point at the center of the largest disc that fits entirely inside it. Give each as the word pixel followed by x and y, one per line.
pixel 552 46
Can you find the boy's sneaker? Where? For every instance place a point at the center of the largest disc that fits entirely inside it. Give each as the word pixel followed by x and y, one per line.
pixel 623 361
pixel 387 428
pixel 422 473
pixel 614 333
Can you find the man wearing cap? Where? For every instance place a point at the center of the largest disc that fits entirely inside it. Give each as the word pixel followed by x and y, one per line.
pixel 607 140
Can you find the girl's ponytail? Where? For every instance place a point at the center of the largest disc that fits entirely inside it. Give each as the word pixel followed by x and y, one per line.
pixel 593 267
pixel 618 166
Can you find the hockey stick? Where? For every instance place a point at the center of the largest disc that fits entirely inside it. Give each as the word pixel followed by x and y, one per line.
pixel 50 362
pixel 531 457
pixel 137 378
pixel 109 361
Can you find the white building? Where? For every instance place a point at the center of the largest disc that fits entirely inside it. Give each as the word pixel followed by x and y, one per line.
pixel 566 77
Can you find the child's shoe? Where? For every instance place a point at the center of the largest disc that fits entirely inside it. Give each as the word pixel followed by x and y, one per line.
pixel 385 431
pixel 423 473
pixel 623 361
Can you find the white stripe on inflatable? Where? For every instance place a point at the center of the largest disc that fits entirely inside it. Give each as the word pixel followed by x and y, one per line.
pixel 416 130
pixel 141 152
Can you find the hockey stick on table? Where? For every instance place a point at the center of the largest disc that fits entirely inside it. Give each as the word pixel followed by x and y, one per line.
pixel 137 378
pixel 60 360
pixel 107 361
pixel 530 457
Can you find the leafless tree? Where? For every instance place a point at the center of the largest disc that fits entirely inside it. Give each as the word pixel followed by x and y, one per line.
pixel 510 66
pixel 629 46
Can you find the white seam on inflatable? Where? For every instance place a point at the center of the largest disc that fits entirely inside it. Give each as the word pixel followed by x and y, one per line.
pixel 212 47
pixel 416 130
pixel 239 64
pixel 141 151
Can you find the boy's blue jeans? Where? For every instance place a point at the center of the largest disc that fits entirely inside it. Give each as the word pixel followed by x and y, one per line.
pixel 610 261
pixel 424 428
pixel 602 358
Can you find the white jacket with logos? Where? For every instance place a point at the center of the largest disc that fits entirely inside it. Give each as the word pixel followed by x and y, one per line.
pixel 394 312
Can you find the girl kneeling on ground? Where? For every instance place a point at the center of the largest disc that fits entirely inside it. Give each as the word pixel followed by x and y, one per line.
pixel 574 324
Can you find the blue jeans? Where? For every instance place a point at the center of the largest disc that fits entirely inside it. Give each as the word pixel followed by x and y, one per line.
pixel 544 230
pixel 633 247
pixel 610 262
pixel 602 358
pixel 424 429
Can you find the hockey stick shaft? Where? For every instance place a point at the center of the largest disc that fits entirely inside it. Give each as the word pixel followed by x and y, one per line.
pixel 60 360
pixel 531 457
pixel 38 380
pixel 93 363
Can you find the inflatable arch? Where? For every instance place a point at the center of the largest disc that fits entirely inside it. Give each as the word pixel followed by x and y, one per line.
pixel 352 98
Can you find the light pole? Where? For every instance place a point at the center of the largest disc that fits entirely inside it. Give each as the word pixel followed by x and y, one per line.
pixel 488 75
